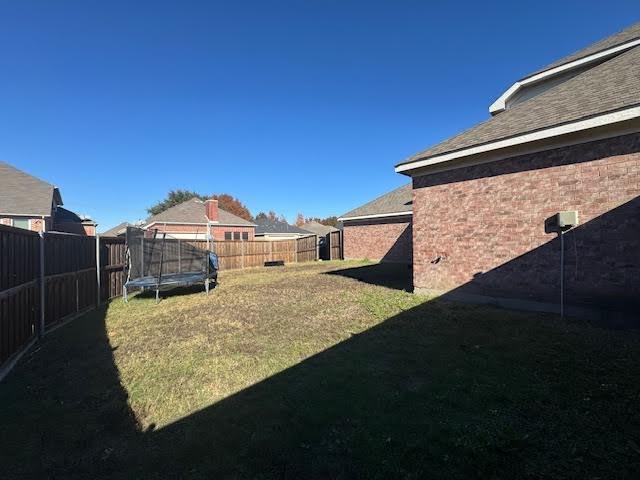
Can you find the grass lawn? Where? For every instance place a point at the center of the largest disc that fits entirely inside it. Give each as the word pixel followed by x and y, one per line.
pixel 304 372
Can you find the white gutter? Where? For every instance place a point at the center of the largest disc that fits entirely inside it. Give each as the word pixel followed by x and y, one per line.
pixel 377 215
pixel 24 215
pixel 500 104
pixel 573 127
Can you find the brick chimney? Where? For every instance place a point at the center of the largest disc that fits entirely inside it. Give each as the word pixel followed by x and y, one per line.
pixel 211 209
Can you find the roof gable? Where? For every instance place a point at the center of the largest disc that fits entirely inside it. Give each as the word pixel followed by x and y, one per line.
pixel 318 228
pixel 619 38
pixel 193 211
pixel 398 201
pixel 567 68
pixel 24 194
pixel 613 86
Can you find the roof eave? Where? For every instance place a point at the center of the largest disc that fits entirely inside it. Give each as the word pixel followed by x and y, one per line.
pixel 376 215
pixel 500 105
pixel 608 124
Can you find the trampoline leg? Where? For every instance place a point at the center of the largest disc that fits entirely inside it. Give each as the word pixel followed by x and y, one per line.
pixel 124 294
pixel 206 286
pixel 157 296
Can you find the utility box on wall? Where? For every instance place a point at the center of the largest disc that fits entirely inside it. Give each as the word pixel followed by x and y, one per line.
pixel 567 219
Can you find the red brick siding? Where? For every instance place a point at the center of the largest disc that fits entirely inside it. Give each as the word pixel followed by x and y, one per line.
pixel 35 224
pixel 387 240
pixel 217 231
pixel 481 229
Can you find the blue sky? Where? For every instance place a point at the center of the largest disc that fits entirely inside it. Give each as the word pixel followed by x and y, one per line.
pixel 295 106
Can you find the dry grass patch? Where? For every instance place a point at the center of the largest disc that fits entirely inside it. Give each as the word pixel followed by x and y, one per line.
pixel 322 371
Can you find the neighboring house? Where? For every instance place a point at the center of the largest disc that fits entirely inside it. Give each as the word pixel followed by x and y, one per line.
pixel 318 228
pixel 267 229
pixel 192 220
pixel 381 229
pixel 117 231
pixel 564 138
pixel 30 203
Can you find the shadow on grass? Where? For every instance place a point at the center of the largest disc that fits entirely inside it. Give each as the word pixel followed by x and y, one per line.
pixel 391 275
pixel 172 292
pixel 437 391
pixel 63 410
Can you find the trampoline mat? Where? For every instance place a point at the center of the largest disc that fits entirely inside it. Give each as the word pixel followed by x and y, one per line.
pixel 169 280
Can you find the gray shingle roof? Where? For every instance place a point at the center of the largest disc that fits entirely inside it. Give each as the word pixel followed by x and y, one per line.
pixel 265 225
pixel 396 201
pixel 318 228
pixel 193 211
pixel 610 86
pixel 117 230
pixel 24 194
pixel 624 36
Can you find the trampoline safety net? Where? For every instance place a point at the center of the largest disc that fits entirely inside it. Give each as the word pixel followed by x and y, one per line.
pixel 160 261
pixel 155 255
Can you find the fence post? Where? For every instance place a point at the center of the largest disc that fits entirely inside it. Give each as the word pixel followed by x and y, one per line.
pixel 295 242
pixel 41 326
pixel 241 254
pixel 98 282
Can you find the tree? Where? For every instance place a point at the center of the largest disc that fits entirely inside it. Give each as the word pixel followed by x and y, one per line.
pixel 271 216
pixel 174 197
pixel 225 201
pixel 330 221
pixel 300 220
pixel 232 205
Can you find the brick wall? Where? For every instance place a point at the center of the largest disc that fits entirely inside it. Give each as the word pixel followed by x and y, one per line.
pixel 35 224
pixel 217 231
pixel 481 229
pixel 388 240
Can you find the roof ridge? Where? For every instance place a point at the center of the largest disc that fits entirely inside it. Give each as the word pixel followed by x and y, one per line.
pixel 575 79
pixel 516 109
pixel 587 50
pixel 22 172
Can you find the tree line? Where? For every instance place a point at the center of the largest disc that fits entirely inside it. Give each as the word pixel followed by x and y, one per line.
pixel 232 205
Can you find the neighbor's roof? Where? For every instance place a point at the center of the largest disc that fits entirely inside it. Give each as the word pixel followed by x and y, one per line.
pixel 63 215
pixel 24 194
pixel 266 225
pixel 609 87
pixel 193 211
pixel 318 228
pixel 624 36
pixel 117 230
pixel 399 201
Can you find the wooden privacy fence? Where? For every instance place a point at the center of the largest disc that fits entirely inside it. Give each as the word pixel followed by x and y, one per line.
pixel 19 289
pixel 46 279
pixel 334 241
pixel 255 253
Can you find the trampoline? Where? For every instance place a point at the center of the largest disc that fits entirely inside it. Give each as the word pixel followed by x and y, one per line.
pixel 161 262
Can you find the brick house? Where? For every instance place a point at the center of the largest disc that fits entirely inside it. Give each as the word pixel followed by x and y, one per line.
pixel 194 218
pixel 564 138
pixel 30 203
pixel 380 229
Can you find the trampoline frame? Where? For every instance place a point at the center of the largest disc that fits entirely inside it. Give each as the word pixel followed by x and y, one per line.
pixel 169 280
